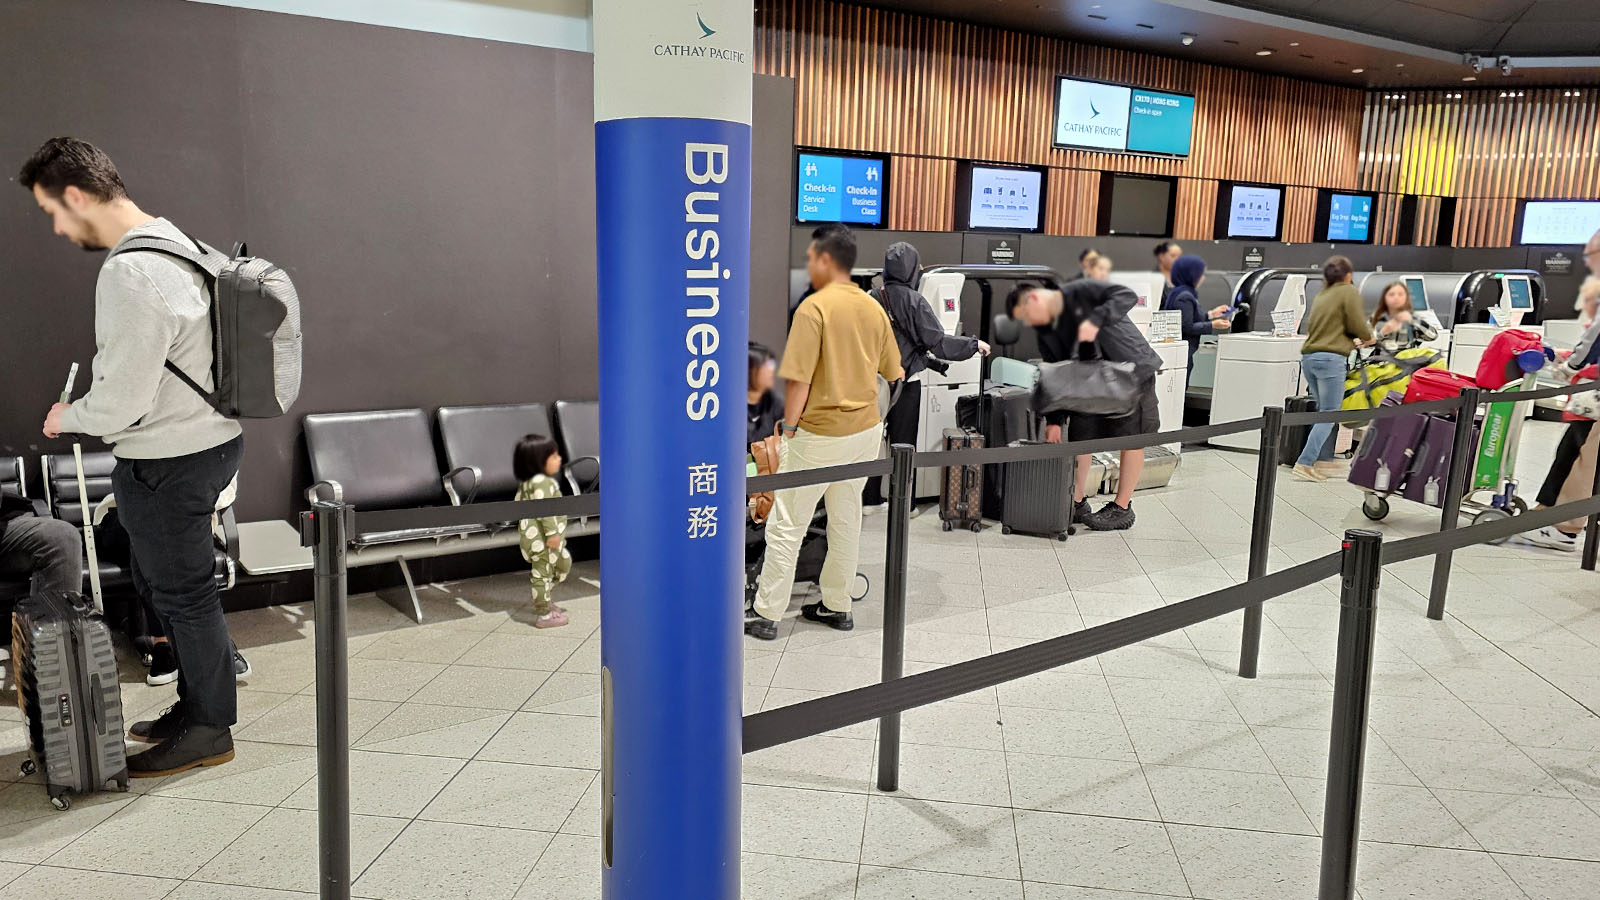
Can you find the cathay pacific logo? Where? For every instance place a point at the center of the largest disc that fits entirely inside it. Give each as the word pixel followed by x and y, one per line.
pixel 1094 113
pixel 701 51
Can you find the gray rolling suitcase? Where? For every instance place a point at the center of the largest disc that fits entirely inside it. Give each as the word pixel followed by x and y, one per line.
pixel 1159 466
pixel 1038 497
pixel 67 689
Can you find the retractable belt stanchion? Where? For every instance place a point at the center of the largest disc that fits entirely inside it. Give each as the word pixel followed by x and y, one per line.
pixel 1352 683
pixel 672 100
pixel 1462 463
pixel 326 529
pixel 894 607
pixel 1261 532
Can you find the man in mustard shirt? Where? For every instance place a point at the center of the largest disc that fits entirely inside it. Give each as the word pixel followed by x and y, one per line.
pixel 839 344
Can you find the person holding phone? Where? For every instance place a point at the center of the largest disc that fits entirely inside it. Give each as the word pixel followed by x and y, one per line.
pixel 1396 327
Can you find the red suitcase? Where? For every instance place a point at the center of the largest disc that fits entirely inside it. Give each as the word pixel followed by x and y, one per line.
pixel 1436 384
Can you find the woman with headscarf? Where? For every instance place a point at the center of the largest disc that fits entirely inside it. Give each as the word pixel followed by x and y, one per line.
pixel 1184 298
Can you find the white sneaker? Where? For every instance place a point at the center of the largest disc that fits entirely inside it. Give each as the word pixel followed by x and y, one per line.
pixel 1552 538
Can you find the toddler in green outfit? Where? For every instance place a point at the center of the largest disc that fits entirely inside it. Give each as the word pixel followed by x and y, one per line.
pixel 544 543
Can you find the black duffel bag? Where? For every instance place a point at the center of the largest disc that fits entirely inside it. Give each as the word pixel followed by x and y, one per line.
pixel 1090 387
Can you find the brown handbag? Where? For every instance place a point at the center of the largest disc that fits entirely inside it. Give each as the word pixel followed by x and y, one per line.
pixel 767 453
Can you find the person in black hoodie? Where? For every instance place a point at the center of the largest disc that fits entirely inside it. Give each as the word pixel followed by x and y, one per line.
pixel 920 335
pixel 1095 312
pixel 1187 273
pixel 765 406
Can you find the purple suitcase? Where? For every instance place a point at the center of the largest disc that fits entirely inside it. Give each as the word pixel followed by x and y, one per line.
pixel 1430 475
pixel 1386 453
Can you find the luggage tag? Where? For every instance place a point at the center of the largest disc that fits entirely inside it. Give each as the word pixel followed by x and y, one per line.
pixel 1430 492
pixel 1381 482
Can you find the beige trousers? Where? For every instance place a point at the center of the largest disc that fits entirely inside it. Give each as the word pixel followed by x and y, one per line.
pixel 1580 484
pixel 791 516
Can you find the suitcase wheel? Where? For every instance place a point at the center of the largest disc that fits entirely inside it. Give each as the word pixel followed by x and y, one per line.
pixel 61 802
pixel 863 586
pixel 1005 529
pixel 28 767
pixel 1375 508
pixel 1061 536
pixel 977 527
pixel 945 525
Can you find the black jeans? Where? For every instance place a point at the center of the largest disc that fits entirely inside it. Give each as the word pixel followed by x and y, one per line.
pixel 166 507
pixel 49 551
pixel 901 427
pixel 1566 455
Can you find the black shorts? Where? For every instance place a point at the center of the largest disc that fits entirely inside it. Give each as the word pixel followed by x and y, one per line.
pixel 1145 419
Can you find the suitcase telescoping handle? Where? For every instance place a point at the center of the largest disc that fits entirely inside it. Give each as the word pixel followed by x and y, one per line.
pixel 84 511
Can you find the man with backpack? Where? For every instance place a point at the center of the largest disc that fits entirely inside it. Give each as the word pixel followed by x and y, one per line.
pixel 919 335
pixel 175 452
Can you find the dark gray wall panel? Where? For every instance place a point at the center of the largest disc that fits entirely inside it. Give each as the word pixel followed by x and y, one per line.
pixel 431 195
pixel 770 212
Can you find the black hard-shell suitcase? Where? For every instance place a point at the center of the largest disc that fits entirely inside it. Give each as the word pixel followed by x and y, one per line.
pixel 1038 496
pixel 67 688
pixel 1001 414
pixel 1293 439
pixel 961 488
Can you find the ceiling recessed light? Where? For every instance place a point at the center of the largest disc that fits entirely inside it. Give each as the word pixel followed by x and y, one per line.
pixel 1188 38
pixel 1399 65
pixel 1470 78
pixel 1263 52
pixel 1357 71
pixel 1294 43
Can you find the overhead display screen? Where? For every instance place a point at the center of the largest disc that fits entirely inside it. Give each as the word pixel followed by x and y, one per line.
pixel 1096 115
pixel 831 187
pixel 1349 218
pixel 1136 205
pixel 1003 197
pixel 1558 221
pixel 1250 211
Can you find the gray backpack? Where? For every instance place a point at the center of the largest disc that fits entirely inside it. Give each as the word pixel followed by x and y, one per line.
pixel 255 329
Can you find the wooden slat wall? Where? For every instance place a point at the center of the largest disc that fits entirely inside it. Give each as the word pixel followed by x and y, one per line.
pixel 931 91
pixel 1485 148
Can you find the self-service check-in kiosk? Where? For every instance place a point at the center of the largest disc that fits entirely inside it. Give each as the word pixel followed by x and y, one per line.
pixel 1172 379
pixel 1260 368
pixel 1506 299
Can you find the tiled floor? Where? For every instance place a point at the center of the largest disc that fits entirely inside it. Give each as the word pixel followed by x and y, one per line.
pixel 1149 772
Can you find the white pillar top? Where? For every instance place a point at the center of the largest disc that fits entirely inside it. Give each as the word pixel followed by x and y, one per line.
pixel 686 59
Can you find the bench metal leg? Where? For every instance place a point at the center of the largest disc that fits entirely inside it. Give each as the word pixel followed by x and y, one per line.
pixel 409 604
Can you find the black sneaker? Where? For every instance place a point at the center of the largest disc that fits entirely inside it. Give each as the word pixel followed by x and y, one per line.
pixel 163 665
pixel 816 612
pixel 193 746
pixel 1082 511
pixel 1111 517
pixel 163 727
pixel 761 628
pixel 241 666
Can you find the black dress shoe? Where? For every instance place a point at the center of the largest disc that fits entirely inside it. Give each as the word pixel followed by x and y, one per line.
pixel 194 746
pixel 761 628
pixel 163 727
pixel 816 612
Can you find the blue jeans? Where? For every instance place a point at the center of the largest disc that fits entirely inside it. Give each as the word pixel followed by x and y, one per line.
pixel 1325 377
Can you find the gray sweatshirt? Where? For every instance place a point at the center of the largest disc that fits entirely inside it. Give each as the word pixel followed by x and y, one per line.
pixel 149 308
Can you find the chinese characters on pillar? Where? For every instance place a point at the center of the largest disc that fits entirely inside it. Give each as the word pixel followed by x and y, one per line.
pixel 702 519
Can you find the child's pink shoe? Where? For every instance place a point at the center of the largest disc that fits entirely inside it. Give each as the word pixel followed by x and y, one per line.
pixel 555 618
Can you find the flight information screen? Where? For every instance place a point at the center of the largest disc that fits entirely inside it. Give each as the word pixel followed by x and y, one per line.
pixel 839 188
pixel 1253 211
pixel 1096 115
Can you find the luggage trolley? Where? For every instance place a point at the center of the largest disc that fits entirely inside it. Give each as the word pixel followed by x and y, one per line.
pixel 1491 492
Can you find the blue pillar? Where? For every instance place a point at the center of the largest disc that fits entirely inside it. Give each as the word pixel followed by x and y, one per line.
pixel 672 169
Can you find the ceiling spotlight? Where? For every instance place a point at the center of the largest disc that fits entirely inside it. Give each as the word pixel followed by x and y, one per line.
pixel 1476 62
pixel 1187 38
pixel 1263 52
pixel 1505 65
pixel 1469 78
pixel 1294 43
pixel 1357 71
pixel 1399 65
